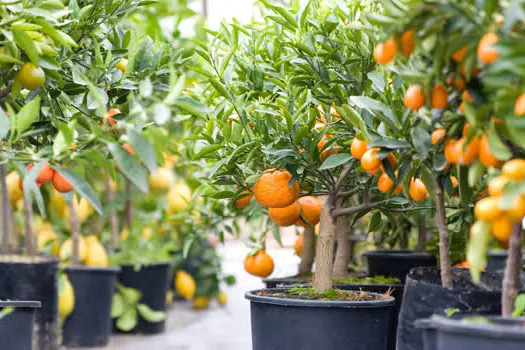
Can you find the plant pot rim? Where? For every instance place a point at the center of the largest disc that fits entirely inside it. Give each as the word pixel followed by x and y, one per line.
pixel 20 304
pixel 83 268
pixel 158 263
pixel 253 297
pixel 456 326
pixel 36 259
pixel 398 254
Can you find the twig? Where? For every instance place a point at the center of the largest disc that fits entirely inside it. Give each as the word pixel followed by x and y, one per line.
pixel 346 194
pixel 352 210
pixel 444 236
pixel 5 210
pixel 344 174
pixel 28 225
pixel 512 273
pixel 129 204
pixel 113 220
pixel 75 233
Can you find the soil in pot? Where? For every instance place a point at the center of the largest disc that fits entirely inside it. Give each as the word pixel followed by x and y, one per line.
pixel 89 325
pixel 473 332
pixel 396 263
pixel 305 278
pixel 300 318
pixel 424 296
pixel 34 278
pixel 152 282
pixel 17 324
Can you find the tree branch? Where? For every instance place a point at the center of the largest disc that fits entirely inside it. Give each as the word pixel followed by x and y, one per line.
pixel 356 209
pixel 444 236
pixel 6 222
pixel 512 273
pixel 344 174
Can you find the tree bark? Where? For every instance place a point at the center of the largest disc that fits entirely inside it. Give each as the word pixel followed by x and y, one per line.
pixel 75 233
pixel 444 236
pixel 511 279
pixel 113 219
pixel 324 261
pixel 342 256
pixel 28 226
pixel 422 234
pixel 403 240
pixel 308 253
pixel 6 217
pixel 129 204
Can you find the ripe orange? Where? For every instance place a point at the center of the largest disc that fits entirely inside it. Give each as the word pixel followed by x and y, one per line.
pixel 488 209
pixel 454 181
pixel 298 245
pixel 497 185
pixel 385 52
pixel 243 201
pixel 418 190
pixel 60 183
pixel 358 148
pixel 519 107
pixel 516 211
pixel 327 152
pixel 31 77
pixel 467 153
pixel 460 84
pixel 285 216
pixel 407 42
pixel 473 73
pixel 437 135
pixel 466 129
pixel 110 114
pixel 261 264
pixel 391 160
pixel 439 96
pixel 414 98
pixel 451 152
pixel 45 174
pixel 310 210
pixel 460 54
pixel 502 228
pixel 370 161
pixel 514 169
pixel 485 154
pixel 273 189
pixel 385 184
pixel 129 148
pixel 486 52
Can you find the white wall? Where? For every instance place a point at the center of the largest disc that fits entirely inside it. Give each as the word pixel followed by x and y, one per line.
pixel 219 10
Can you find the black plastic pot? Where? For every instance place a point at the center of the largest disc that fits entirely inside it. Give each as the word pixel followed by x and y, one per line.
pixel 396 263
pixel 279 323
pixel 89 325
pixel 424 296
pixel 152 281
pixel 17 324
pixel 35 279
pixel 443 333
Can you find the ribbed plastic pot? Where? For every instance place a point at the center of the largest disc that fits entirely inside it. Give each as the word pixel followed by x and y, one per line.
pixel 424 296
pixel 280 323
pixel 152 281
pixel 34 278
pixel 443 333
pixel 17 320
pixel 89 325
pixel 396 263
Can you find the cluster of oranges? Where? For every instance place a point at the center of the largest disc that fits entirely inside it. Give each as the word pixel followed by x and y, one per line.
pixel 386 51
pixel 47 174
pixel 492 209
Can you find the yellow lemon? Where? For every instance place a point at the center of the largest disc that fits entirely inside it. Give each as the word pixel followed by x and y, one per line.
pixel 40 225
pixel 161 179
pixel 96 253
pixel 179 197
pixel 66 298
pixel 185 284
pixel 13 189
pixel 222 298
pixel 82 208
pixel 45 237
pixel 147 231
pixel 57 204
pixel 124 234
pixel 201 302
pixel 66 249
pixel 169 161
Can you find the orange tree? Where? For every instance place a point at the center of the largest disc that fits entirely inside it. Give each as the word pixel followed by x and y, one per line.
pixel 467 53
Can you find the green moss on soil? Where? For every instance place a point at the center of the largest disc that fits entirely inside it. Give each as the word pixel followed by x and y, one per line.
pixel 367 280
pixel 330 295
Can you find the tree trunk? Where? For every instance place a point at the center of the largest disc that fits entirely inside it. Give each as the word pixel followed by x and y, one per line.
pixel 308 253
pixel 113 219
pixel 511 279
pixel 342 255
pixel 444 236
pixel 75 233
pixel 28 226
pixel 324 262
pixel 6 217
pixel 422 234
pixel 129 204
pixel 403 240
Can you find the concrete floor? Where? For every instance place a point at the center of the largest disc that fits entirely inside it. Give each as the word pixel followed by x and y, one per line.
pixel 217 328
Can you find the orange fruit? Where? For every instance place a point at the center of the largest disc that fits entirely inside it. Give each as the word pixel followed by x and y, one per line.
pixel 370 161
pixel 129 148
pixel 60 183
pixel 460 54
pixel 310 210
pixel 519 107
pixel 460 84
pixel 385 184
pixel 244 200
pixel 260 264
pixel 497 185
pixel 466 129
pixel 391 160
pixel 110 114
pixel 467 154
pixel 418 190
pixel 451 152
pixel 516 211
pixel 486 52
pixel 488 209
pixel 414 98
pixel 31 77
pixel 439 97
pixel 273 189
pixel 502 228
pixel 358 148
pixel 485 154
pixel 327 152
pixel 385 52
pixel 45 174
pixel 286 216
pixel 514 169
pixel 122 65
pixel 407 42
pixel 437 135
pixel 298 245
pixel 454 181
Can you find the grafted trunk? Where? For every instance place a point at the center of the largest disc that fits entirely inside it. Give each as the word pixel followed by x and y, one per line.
pixel 324 261
pixel 342 256
pixel 28 226
pixel 422 234
pixel 113 219
pixel 308 253
pixel 6 217
pixel 129 204
pixel 511 279
pixel 75 233
pixel 444 237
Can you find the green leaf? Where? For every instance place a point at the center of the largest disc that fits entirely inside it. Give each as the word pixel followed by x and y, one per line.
pixel 186 248
pixel 206 151
pixel 117 306
pixel 374 106
pixel 497 147
pixel 375 222
pixel 27 45
pixel 130 296
pixel 144 149
pixel 9 59
pixel 354 119
pixel 335 160
pixel 30 187
pixel 465 191
pixel 128 320
pixel 56 34
pixel 130 167
pixel 149 314
pixel 422 142
pixel 191 106
pixel 26 116
pixel 519 308
pixel 82 187
pixel 475 172
pixel 4 124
